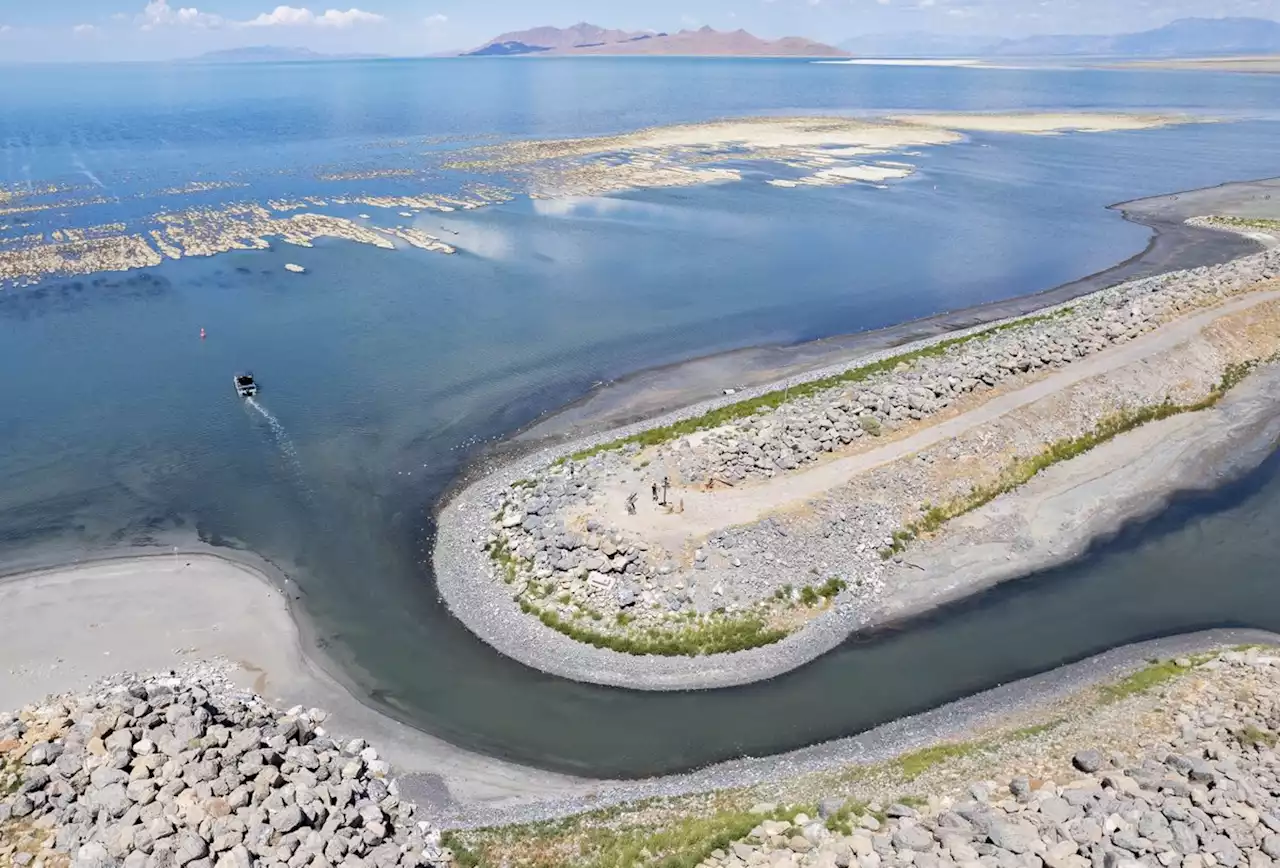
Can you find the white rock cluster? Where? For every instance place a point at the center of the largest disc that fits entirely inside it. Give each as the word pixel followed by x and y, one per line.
pixel 184 770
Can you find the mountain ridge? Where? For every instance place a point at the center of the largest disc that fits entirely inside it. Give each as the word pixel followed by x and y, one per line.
pixel 589 39
pixel 1184 37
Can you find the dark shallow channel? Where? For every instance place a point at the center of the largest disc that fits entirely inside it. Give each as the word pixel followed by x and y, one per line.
pixel 1209 560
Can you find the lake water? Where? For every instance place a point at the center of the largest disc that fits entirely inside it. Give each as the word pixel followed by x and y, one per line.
pixel 383 372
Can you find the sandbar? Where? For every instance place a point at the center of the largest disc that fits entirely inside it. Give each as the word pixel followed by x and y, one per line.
pixel 1045 123
pixel 1264 64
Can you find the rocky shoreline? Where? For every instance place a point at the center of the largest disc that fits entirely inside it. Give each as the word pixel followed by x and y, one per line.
pixel 184 769
pixel 1173 765
pixel 1112 762
pixel 558 526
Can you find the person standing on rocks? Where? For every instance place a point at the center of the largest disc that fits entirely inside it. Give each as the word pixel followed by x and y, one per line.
pixel 655 492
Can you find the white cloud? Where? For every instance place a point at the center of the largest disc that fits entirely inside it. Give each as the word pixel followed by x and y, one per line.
pixel 159 13
pixel 84 30
pixel 5 28
pixel 294 16
pixel 436 20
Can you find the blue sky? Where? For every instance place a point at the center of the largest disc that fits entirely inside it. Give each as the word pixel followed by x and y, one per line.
pixel 159 29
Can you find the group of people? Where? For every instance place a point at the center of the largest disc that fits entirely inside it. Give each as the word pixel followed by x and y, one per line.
pixel 666 485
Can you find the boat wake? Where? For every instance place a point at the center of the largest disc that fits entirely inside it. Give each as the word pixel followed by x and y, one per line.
pixel 285 444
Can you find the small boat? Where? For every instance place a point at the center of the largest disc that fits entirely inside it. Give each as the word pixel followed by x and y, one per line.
pixel 246 386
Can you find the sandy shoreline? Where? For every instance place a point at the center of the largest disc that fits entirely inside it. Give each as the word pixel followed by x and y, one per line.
pixel 233 611
pixel 62 628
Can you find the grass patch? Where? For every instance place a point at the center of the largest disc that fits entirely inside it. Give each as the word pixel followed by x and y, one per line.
pixel 1253 737
pixel 603 839
pixel 772 400
pixel 1037 730
pixel 913 765
pixel 1157 672
pixel 508 564
pixel 1247 223
pixel 1062 450
pixel 717 635
pixel 841 822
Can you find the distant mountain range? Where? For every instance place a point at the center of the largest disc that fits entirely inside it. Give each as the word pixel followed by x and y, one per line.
pixel 588 39
pixel 274 54
pixel 1186 37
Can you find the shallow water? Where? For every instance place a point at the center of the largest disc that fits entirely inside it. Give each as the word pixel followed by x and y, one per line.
pixel 384 371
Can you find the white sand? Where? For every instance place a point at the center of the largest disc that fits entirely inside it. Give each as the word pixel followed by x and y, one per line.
pixel 1042 123
pixel 903 61
pixel 849 175
pixel 61 629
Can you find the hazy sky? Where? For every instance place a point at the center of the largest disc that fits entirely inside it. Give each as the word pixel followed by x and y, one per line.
pixel 138 29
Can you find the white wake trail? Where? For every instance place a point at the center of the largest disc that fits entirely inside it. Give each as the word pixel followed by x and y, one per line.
pixel 285 444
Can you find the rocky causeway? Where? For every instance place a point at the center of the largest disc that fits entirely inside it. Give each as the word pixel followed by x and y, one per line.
pixel 735 540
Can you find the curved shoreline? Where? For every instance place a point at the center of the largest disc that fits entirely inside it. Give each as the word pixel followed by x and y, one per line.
pixel 462 567
pixel 144 605
pixel 480 791
pixel 1195 458
pixel 654 392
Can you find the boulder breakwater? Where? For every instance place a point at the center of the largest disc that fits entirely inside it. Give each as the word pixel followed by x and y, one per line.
pixel 738 525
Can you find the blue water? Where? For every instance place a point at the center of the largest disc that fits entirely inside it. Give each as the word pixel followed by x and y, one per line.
pixel 384 371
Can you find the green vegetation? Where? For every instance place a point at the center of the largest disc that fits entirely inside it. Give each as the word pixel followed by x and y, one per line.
pixel 1037 730
pixel 715 635
pixel 1062 450
pixel 609 839
pixel 824 593
pixel 913 765
pixel 841 822
pixel 833 587
pixel 773 400
pixel 1260 739
pixel 1151 676
pixel 1247 223
pixel 507 562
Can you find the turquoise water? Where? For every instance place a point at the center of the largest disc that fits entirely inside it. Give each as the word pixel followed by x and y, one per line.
pixel 385 371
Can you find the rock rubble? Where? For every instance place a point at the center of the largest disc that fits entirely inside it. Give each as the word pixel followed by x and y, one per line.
pixel 1208 797
pixel 184 770
pixel 551 546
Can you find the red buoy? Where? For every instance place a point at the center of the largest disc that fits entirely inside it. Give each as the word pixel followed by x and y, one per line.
pixel 201 334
